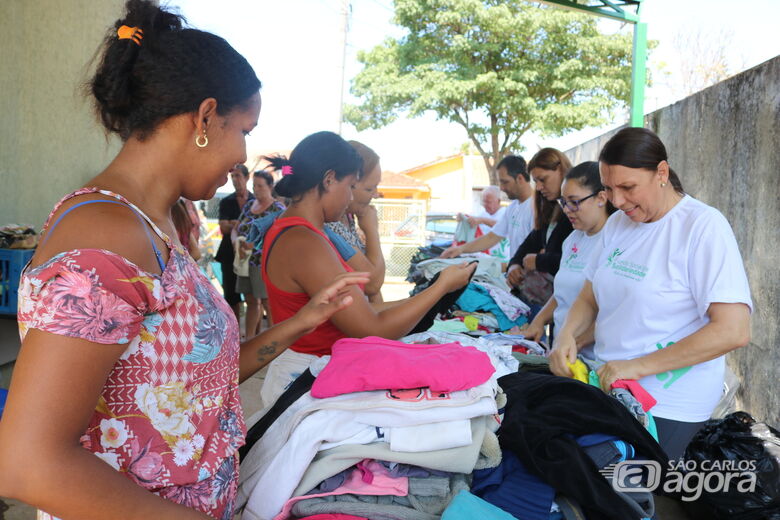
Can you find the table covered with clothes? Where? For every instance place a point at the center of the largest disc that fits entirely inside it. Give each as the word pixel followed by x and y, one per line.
pixel 440 425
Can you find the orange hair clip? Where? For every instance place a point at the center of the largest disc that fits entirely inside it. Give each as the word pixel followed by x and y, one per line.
pixel 130 33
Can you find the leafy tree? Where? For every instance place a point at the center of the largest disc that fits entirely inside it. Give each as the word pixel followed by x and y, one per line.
pixel 499 68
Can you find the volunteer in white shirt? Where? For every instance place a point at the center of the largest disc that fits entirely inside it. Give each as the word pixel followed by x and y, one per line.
pixel 518 219
pixel 666 287
pixel 585 204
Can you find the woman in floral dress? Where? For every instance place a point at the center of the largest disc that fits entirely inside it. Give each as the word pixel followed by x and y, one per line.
pixel 252 286
pixel 124 401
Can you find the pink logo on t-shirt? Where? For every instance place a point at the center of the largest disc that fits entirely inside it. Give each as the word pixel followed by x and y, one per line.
pixel 413 395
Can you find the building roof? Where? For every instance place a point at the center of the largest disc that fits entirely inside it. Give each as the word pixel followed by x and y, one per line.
pixel 460 162
pixel 398 180
pixel 431 163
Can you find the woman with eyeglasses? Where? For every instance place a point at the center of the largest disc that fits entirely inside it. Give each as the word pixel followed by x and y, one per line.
pixel 584 202
pixel 666 290
pixel 536 261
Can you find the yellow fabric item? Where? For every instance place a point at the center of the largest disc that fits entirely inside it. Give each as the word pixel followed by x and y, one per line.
pixel 471 322
pixel 580 370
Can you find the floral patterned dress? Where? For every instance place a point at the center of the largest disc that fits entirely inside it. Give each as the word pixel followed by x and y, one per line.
pixel 169 416
pixel 347 230
pixel 245 225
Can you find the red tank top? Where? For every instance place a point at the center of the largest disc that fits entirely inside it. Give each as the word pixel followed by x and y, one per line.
pixel 285 304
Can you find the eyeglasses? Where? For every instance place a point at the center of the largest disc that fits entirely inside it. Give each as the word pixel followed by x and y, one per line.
pixel 574 205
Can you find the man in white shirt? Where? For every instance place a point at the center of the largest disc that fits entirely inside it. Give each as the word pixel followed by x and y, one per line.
pixel 518 218
pixel 491 213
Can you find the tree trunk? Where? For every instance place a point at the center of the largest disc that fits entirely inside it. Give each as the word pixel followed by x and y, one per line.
pixel 491 169
pixel 494 149
pixel 492 156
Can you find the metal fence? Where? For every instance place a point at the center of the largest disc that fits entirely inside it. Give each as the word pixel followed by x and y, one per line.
pixel 401 232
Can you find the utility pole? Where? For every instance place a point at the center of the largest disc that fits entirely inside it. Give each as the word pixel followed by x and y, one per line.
pixel 344 31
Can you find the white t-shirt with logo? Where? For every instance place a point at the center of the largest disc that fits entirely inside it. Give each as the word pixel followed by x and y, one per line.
pixel 653 284
pixel 516 224
pixel 500 250
pixel 576 253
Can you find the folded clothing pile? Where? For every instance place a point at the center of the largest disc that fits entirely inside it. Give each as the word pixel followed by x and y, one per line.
pixel 385 429
pixel 440 425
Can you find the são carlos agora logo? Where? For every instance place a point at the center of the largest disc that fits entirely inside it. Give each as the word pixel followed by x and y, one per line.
pixel 687 478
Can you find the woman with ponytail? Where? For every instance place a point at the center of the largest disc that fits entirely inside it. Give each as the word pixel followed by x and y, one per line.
pixel 124 400
pixel 666 289
pixel 299 259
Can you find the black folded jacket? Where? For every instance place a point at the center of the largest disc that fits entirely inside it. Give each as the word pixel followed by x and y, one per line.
pixel 545 414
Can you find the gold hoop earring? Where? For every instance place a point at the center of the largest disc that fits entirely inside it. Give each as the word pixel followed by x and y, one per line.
pixel 200 144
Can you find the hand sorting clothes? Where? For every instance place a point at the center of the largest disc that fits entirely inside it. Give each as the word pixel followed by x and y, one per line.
pixel 484 306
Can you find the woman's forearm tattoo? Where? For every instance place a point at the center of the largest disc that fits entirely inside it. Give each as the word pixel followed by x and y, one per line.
pixel 267 350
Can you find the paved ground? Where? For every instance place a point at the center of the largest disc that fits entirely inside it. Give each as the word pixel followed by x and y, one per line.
pixel 250 398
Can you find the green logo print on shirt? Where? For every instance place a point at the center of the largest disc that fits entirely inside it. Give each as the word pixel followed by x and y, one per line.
pixel 572 256
pixel 675 374
pixel 626 268
pixel 616 253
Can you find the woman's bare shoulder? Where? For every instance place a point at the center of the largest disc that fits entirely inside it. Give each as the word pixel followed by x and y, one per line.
pixel 108 226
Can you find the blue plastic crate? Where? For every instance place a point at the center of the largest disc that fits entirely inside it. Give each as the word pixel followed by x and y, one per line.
pixel 12 261
pixel 3 397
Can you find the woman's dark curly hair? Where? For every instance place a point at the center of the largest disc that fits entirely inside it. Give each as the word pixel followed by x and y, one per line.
pixel 137 87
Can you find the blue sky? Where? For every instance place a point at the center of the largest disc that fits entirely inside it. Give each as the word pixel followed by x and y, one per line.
pixel 295 46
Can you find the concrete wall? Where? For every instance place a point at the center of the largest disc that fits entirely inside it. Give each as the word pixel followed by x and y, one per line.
pixel 724 142
pixel 50 142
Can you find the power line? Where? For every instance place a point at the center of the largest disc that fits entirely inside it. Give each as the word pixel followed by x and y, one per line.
pixel 346 9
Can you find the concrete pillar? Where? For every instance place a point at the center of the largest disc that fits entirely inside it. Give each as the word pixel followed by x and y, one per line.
pixel 50 141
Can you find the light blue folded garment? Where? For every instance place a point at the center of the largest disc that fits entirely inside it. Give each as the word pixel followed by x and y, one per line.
pixel 477 298
pixel 466 506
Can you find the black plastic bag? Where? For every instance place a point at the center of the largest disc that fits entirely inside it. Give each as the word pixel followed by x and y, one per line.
pixel 738 437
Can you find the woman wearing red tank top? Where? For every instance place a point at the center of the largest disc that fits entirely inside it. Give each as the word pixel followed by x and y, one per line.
pixel 298 259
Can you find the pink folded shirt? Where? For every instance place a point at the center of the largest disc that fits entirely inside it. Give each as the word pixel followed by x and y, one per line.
pixel 334 516
pixel 638 391
pixel 371 363
pixel 369 478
